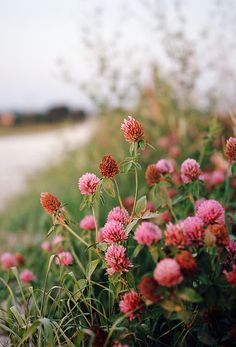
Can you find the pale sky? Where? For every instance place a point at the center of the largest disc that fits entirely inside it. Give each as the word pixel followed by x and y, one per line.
pixel 34 34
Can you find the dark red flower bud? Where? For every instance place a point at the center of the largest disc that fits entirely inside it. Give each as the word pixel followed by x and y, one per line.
pixel 108 167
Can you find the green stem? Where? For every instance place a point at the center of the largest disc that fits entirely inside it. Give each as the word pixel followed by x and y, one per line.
pixel 75 235
pixel 136 192
pixel 169 204
pixel 42 308
pixel 201 155
pixel 191 198
pixel 77 259
pixel 113 328
pixel 197 190
pixel 172 212
pixel 118 194
pixel 21 290
pixel 96 224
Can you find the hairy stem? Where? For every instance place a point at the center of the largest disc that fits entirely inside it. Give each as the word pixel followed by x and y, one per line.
pixel 136 192
pixel 75 235
pixel 169 204
pixel 118 194
pixel 96 224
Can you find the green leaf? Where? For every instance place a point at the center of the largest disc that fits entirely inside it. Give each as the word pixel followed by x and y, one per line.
pixel 81 284
pixel 142 144
pixel 17 316
pixel 118 288
pixel 189 294
pixel 48 330
pixel 16 274
pixel 84 203
pixel 108 186
pixel 29 332
pixel 154 252
pixel 79 288
pixel 91 268
pixel 233 168
pixel 102 199
pixel 97 194
pixel 131 225
pixel 178 199
pixel 137 165
pixel 126 167
pixel 149 215
pixel 130 279
pixel 80 337
pixel 102 246
pixel 141 206
pixel 50 231
pixel 137 250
